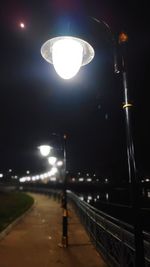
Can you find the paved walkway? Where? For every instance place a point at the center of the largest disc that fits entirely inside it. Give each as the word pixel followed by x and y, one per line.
pixel 33 242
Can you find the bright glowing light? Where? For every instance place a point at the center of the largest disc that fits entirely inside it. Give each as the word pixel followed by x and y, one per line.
pixel 67 55
pixel 22 180
pixel 53 171
pixel 59 163
pixel 42 176
pixel 53 179
pixel 45 150
pixel 107 196
pixel 52 160
pixel 81 179
pixel 1 175
pixel 46 175
pixel 22 25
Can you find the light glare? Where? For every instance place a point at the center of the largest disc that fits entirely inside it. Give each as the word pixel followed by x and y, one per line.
pixel 53 171
pixel 52 160
pixel 44 150
pixel 22 25
pixel 67 56
pixel 60 163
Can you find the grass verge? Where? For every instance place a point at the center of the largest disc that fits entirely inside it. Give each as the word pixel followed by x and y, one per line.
pixel 13 205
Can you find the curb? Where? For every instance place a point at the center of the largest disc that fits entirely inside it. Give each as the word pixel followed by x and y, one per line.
pixel 11 225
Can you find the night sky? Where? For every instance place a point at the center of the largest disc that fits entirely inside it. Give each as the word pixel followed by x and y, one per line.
pixel 35 102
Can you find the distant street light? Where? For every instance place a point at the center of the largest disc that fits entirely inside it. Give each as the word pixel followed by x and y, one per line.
pixel 53 171
pixel 45 150
pixel 52 160
pixel 59 163
pixel 68 54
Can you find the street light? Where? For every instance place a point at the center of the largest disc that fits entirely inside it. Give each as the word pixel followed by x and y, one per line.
pixel 67 54
pixel 64 241
pixel 45 150
pixel 59 163
pixel 52 160
pixel 55 52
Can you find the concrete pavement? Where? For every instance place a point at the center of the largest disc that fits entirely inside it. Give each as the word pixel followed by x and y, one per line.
pixel 33 242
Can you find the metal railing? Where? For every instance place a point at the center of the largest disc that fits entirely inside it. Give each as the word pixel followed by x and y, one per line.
pixel 112 238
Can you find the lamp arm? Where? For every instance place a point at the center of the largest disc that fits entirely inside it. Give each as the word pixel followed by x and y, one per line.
pixel 107 27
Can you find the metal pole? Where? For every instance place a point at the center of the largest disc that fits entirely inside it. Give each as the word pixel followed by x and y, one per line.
pixel 133 180
pixel 64 203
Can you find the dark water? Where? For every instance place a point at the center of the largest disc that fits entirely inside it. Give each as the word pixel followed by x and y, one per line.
pixel 117 204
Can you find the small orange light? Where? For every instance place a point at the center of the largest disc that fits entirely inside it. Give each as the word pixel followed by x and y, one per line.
pixel 123 37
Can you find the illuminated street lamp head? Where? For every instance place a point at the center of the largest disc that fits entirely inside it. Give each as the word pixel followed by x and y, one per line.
pixel 52 160
pixel 67 54
pixel 45 150
pixel 60 163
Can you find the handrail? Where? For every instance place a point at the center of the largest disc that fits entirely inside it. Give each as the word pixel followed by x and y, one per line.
pixel 111 237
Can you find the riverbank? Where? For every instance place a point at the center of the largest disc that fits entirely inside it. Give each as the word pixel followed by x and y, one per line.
pixel 13 205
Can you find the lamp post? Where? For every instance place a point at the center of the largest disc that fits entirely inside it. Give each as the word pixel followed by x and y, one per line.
pixel 68 54
pixel 45 151
pixel 64 242
pixel 52 160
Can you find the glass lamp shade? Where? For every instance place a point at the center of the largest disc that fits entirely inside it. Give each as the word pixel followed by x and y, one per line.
pixel 67 54
pixel 52 160
pixel 45 150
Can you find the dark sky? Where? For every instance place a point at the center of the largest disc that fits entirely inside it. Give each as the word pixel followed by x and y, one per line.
pixel 35 102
